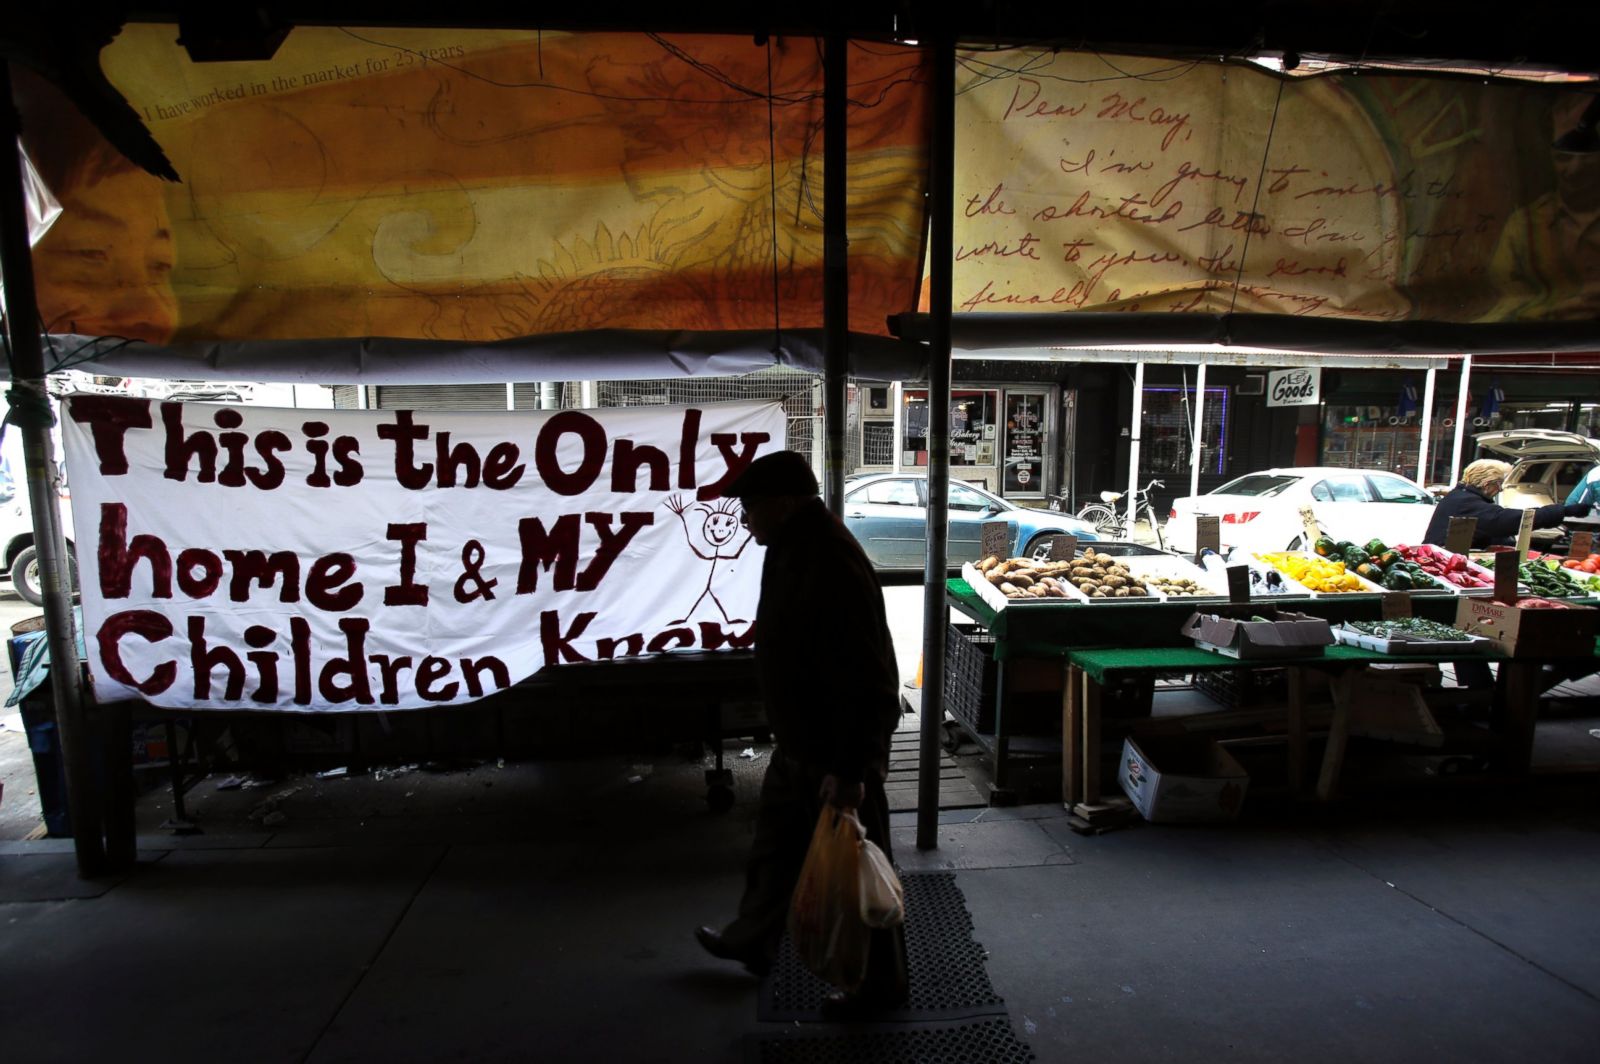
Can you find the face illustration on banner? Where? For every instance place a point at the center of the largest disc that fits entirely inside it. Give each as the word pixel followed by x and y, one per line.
pixel 712 541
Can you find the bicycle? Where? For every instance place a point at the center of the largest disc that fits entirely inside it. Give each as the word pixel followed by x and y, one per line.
pixel 1109 521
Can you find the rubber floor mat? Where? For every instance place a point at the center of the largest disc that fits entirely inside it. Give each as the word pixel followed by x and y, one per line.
pixel 948 979
pixel 977 1041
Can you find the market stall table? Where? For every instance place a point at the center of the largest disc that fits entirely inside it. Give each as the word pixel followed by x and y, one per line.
pixel 1099 646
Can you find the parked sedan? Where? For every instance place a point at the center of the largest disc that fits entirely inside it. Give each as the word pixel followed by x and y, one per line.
pixel 1261 511
pixel 888 513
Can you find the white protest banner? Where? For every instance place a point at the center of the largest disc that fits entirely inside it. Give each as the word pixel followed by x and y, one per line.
pixel 252 558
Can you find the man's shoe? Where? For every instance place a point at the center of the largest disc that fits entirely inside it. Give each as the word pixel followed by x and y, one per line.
pixel 839 1006
pixel 712 942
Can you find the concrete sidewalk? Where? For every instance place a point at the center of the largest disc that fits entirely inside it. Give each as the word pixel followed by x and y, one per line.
pixel 548 915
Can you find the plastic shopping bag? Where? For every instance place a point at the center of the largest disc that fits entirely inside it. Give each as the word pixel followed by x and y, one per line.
pixel 883 899
pixel 846 889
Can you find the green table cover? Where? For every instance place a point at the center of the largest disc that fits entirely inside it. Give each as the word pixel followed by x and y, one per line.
pixel 1105 664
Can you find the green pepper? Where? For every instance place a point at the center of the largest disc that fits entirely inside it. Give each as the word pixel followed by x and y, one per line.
pixel 1375 547
pixel 1325 546
pixel 1388 558
pixel 1398 581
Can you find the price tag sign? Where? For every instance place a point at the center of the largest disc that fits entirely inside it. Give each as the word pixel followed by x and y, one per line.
pixel 1207 536
pixel 1582 545
pixel 1458 540
pixel 1308 523
pixel 1063 548
pixel 1525 535
pixel 1238 583
pixel 1505 576
pixel 1396 605
pixel 995 540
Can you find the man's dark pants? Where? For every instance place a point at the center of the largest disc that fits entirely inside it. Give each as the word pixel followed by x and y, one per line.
pixel 785 821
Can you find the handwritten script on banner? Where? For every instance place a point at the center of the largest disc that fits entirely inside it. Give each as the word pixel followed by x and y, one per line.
pixel 1118 183
pixel 250 558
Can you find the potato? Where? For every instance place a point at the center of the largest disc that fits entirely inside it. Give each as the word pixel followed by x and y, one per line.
pixel 1114 581
pixel 988 563
pixel 1099 592
pixel 1120 592
pixel 1022 580
pixel 1009 588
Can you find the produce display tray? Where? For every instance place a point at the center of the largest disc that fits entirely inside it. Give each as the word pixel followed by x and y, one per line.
pixel 1146 566
pixel 997 600
pixel 1451 589
pixel 1367 586
pixel 1476 644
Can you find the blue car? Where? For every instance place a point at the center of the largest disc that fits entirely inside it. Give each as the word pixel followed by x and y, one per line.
pixel 888 513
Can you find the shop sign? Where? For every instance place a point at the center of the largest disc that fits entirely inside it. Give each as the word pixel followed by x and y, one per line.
pixel 1294 387
pixel 252 558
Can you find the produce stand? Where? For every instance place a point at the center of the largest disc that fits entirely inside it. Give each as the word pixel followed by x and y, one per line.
pixel 1096 650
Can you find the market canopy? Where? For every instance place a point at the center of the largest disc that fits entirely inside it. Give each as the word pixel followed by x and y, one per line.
pixel 495 204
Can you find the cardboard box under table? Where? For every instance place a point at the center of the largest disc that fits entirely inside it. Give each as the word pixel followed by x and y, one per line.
pixel 1182 780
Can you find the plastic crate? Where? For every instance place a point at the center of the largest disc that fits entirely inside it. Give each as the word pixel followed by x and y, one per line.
pixel 1241 688
pixel 969 677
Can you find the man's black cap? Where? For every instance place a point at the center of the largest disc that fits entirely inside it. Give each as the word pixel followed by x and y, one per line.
pixel 778 473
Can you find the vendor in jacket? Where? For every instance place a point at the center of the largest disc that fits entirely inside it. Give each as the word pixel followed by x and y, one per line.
pixel 1497 525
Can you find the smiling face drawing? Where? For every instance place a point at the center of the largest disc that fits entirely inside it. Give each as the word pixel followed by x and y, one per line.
pixel 720 528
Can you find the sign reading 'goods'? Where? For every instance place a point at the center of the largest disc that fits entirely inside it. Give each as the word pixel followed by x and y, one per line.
pixel 1294 387
pixel 248 558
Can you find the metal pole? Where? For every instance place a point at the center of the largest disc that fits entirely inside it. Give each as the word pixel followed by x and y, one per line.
pixel 1461 418
pixel 361 397
pixel 1133 446
pixel 935 608
pixel 511 396
pixel 1199 428
pixel 1425 440
pixel 835 264
pixel 30 411
pixel 897 396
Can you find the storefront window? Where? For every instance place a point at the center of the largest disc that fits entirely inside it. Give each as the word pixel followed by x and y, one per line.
pixel 1373 437
pixel 974 428
pixel 1166 432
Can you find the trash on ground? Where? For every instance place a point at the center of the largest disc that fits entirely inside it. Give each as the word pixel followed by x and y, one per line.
pixel 749 753
pixel 1594 733
pixel 381 774
pixel 334 773
pixel 642 770
pixel 500 763
pixel 635 779
pixel 274 819
pixel 232 783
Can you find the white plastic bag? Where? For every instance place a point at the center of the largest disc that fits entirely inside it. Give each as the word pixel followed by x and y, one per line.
pixel 883 899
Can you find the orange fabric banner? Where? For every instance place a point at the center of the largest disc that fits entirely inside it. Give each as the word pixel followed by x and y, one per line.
pixel 477 185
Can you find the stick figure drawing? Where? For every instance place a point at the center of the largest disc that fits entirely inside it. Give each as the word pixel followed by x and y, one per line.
pixel 712 540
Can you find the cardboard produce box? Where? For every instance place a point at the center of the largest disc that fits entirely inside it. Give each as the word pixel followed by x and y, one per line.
pixel 1280 634
pixel 1530 633
pixel 1182 780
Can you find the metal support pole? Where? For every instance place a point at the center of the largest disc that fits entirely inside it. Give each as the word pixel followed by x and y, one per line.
pixel 835 268
pixel 1133 446
pixel 935 609
pixel 1199 430
pixel 511 396
pixel 588 395
pixel 1425 440
pixel 1461 418
pixel 32 403
pixel 897 396
pixel 361 397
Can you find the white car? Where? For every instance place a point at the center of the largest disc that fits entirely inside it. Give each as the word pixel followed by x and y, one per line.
pixel 1261 511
